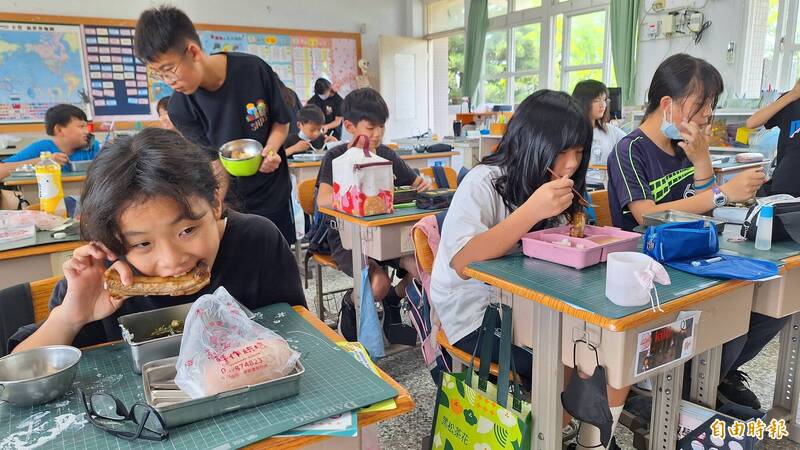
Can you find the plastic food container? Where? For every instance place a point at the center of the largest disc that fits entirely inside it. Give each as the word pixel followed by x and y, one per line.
pixel 556 245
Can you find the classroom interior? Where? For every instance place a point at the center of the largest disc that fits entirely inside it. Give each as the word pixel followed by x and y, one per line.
pixel 372 322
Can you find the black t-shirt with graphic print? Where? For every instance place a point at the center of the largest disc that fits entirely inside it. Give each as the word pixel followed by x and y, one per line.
pixel 639 170
pixel 247 104
pixel 788 119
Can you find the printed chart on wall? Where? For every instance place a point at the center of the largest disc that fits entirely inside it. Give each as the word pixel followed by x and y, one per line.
pixel 41 65
pixel 119 84
pixel 297 60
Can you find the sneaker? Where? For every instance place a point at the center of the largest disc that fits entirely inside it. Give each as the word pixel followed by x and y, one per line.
pixel 611 445
pixel 569 431
pixel 732 389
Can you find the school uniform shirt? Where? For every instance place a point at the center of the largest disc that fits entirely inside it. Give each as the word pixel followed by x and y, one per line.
pixel 476 207
pixel 318 143
pixel 602 143
pixel 788 119
pixel 253 263
pixel 332 108
pixel 247 104
pixel 47 145
pixel 639 170
pixel 403 176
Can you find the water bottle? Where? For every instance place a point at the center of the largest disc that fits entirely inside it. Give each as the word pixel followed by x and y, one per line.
pixel 51 192
pixel 764 231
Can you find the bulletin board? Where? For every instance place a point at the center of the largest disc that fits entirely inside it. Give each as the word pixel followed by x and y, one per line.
pixel 96 68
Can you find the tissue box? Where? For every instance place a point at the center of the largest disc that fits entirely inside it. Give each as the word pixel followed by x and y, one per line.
pixel 363 183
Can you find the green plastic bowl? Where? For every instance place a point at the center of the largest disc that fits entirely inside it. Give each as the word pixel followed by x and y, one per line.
pixel 244 167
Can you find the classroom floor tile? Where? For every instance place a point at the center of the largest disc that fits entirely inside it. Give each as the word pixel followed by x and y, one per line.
pixel 408 368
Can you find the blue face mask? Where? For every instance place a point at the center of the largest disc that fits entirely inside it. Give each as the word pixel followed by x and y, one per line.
pixel 669 129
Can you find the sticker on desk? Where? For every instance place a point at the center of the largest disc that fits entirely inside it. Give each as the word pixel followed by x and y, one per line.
pixel 406 241
pixel 666 344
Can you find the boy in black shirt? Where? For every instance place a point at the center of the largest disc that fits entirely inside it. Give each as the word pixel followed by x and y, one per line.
pixel 219 98
pixel 365 113
pixel 150 207
pixel 309 135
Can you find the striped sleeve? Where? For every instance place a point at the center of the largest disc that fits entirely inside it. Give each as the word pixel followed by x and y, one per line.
pixel 626 172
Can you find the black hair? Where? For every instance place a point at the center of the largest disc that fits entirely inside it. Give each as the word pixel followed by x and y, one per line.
pixel 289 96
pixel 152 163
pixel 62 115
pixel 680 76
pixel 586 92
pixel 544 125
pixel 321 85
pixel 365 104
pixel 163 103
pixel 311 113
pixel 162 30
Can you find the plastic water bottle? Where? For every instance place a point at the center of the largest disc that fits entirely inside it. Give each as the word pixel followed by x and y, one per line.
pixel 51 192
pixel 764 231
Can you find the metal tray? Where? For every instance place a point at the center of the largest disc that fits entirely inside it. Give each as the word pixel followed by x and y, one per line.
pixel 80 166
pixel 672 216
pixel 136 329
pixel 179 411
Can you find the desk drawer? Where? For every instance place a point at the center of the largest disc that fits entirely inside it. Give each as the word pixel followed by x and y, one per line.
pixel 722 318
pixel 774 298
pixel 381 243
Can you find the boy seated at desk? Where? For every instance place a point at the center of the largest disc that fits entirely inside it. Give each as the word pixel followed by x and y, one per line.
pixel 71 140
pixel 365 112
pixel 309 135
pixel 665 165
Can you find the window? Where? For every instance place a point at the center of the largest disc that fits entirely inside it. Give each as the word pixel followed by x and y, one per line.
pixel 455 67
pixel 520 5
pixel 497 8
pixel 511 72
pixel 579 48
pixel 445 15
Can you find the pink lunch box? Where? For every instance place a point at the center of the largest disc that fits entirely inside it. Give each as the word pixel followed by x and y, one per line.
pixel 594 247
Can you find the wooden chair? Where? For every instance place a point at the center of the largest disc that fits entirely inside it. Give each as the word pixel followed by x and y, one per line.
pixel 40 292
pixel 602 211
pixel 305 194
pixel 425 257
pixel 449 172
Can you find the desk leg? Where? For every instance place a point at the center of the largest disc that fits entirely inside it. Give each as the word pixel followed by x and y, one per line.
pixel 548 378
pixel 357 268
pixel 666 406
pixel 705 377
pixel 785 400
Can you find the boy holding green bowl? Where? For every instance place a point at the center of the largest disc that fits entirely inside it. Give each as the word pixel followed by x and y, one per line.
pixel 219 98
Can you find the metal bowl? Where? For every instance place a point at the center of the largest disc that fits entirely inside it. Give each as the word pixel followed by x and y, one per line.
pixel 241 167
pixel 39 375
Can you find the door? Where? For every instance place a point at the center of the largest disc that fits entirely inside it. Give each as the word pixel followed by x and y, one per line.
pixel 403 78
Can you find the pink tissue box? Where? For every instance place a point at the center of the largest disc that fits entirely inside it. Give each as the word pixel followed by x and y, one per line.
pixel 587 251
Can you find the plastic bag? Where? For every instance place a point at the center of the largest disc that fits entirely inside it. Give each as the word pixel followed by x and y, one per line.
pixel 222 349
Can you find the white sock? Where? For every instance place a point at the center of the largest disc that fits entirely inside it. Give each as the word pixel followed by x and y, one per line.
pixel 590 434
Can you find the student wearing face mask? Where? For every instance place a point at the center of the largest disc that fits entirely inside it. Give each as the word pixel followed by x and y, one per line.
pixel 309 135
pixel 665 164
pixel 331 105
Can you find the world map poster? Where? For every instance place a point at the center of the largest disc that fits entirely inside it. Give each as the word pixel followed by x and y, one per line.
pixel 40 66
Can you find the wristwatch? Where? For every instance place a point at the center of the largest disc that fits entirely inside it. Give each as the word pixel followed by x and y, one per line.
pixel 720 199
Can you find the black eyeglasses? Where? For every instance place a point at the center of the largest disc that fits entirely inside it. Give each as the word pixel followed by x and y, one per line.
pixel 109 414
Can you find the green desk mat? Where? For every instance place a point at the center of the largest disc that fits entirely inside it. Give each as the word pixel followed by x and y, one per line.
pixel 333 382
pixel 41 238
pixel 401 212
pixel 584 289
pixel 778 252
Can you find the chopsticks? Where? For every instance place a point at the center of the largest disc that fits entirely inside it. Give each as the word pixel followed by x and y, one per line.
pixel 583 201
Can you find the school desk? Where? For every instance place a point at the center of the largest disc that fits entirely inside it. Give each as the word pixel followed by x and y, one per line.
pixel 107 367
pixel 71 181
pixel 382 237
pixel 554 305
pixel 778 298
pixel 35 258
pixel 307 170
